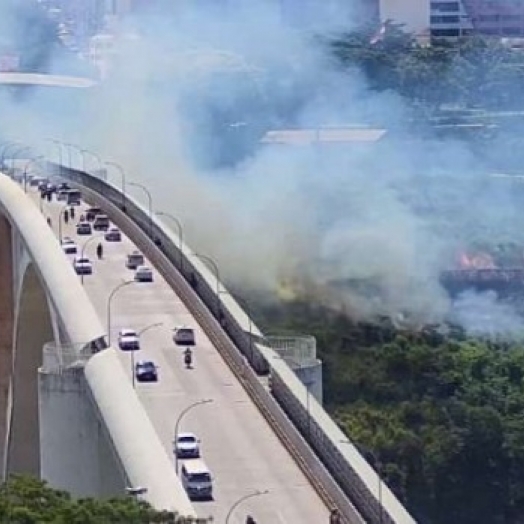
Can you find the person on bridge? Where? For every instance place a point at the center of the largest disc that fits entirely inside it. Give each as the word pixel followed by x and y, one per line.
pixel 99 251
pixel 334 517
pixel 66 216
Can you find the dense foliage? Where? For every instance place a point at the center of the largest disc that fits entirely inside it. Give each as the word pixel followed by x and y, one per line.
pixel 441 415
pixel 474 72
pixel 25 500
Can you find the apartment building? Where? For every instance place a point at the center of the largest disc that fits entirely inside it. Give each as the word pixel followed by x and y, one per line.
pixel 456 18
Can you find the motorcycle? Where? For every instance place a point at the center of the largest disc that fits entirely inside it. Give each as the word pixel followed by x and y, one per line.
pixel 188 358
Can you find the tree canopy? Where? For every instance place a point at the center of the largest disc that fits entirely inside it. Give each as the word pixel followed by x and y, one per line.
pixel 26 500
pixel 473 72
pixel 440 415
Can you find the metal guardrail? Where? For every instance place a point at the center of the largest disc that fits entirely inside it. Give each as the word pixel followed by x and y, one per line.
pixel 329 470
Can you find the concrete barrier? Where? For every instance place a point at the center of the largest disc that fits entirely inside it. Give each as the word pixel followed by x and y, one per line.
pixel 331 462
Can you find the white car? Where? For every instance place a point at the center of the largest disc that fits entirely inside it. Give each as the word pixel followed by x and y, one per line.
pixel 128 340
pixel 83 266
pixel 69 247
pixel 144 274
pixel 187 445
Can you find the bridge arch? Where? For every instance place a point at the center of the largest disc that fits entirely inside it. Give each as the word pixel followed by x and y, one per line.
pixel 33 329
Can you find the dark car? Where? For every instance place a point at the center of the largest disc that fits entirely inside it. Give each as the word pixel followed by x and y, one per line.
pixel 93 212
pixel 184 337
pixel 145 371
pixel 113 235
pixel 101 223
pixel 83 228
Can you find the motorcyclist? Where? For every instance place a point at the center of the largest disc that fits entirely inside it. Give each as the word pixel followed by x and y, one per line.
pixel 99 251
pixel 188 357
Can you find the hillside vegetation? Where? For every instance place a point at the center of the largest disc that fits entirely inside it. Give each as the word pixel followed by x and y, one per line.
pixel 442 416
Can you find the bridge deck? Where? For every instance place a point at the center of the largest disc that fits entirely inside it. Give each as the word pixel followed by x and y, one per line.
pixel 238 445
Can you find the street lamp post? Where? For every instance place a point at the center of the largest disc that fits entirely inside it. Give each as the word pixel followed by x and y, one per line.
pixel 94 155
pixel 214 265
pixel 123 174
pixel 68 148
pixel 17 152
pixel 242 499
pixel 29 163
pixel 84 247
pixel 60 215
pixel 150 205
pixel 245 305
pixel 147 328
pixel 180 236
pixel 111 295
pixel 5 147
pixel 59 145
pixel 178 420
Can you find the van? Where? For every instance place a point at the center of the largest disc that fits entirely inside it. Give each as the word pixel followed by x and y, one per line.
pixel 197 480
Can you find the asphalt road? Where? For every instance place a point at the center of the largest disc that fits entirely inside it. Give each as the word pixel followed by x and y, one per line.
pixel 239 447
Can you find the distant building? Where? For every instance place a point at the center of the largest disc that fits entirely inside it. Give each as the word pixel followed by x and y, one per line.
pixel 457 18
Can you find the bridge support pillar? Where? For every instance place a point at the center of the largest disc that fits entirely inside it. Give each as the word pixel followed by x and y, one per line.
pixel 76 453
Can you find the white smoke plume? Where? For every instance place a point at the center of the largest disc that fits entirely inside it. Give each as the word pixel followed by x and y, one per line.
pixel 365 211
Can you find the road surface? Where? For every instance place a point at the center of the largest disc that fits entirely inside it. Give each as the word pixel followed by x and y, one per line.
pixel 239 447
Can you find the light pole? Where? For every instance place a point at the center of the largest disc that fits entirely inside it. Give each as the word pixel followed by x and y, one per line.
pixel 177 423
pixel 59 145
pixel 5 147
pixel 245 305
pixel 30 162
pixel 94 155
pixel 242 499
pixel 123 174
pixel 60 215
pixel 84 247
pixel 147 328
pixel 68 147
pixel 150 205
pixel 180 235
pixel 111 295
pixel 17 152
pixel 214 265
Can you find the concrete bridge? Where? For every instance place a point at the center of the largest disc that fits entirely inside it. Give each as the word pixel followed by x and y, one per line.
pixel 68 403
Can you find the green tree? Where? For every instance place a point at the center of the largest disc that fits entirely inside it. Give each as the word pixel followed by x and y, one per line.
pixel 26 500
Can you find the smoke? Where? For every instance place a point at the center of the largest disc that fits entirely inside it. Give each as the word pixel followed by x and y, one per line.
pixel 193 88
pixel 482 314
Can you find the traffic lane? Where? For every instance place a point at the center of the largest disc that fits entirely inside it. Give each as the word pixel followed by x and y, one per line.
pixel 231 423
pixel 237 444
pixel 230 429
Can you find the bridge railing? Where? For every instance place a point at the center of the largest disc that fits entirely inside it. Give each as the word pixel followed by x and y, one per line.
pixel 348 470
